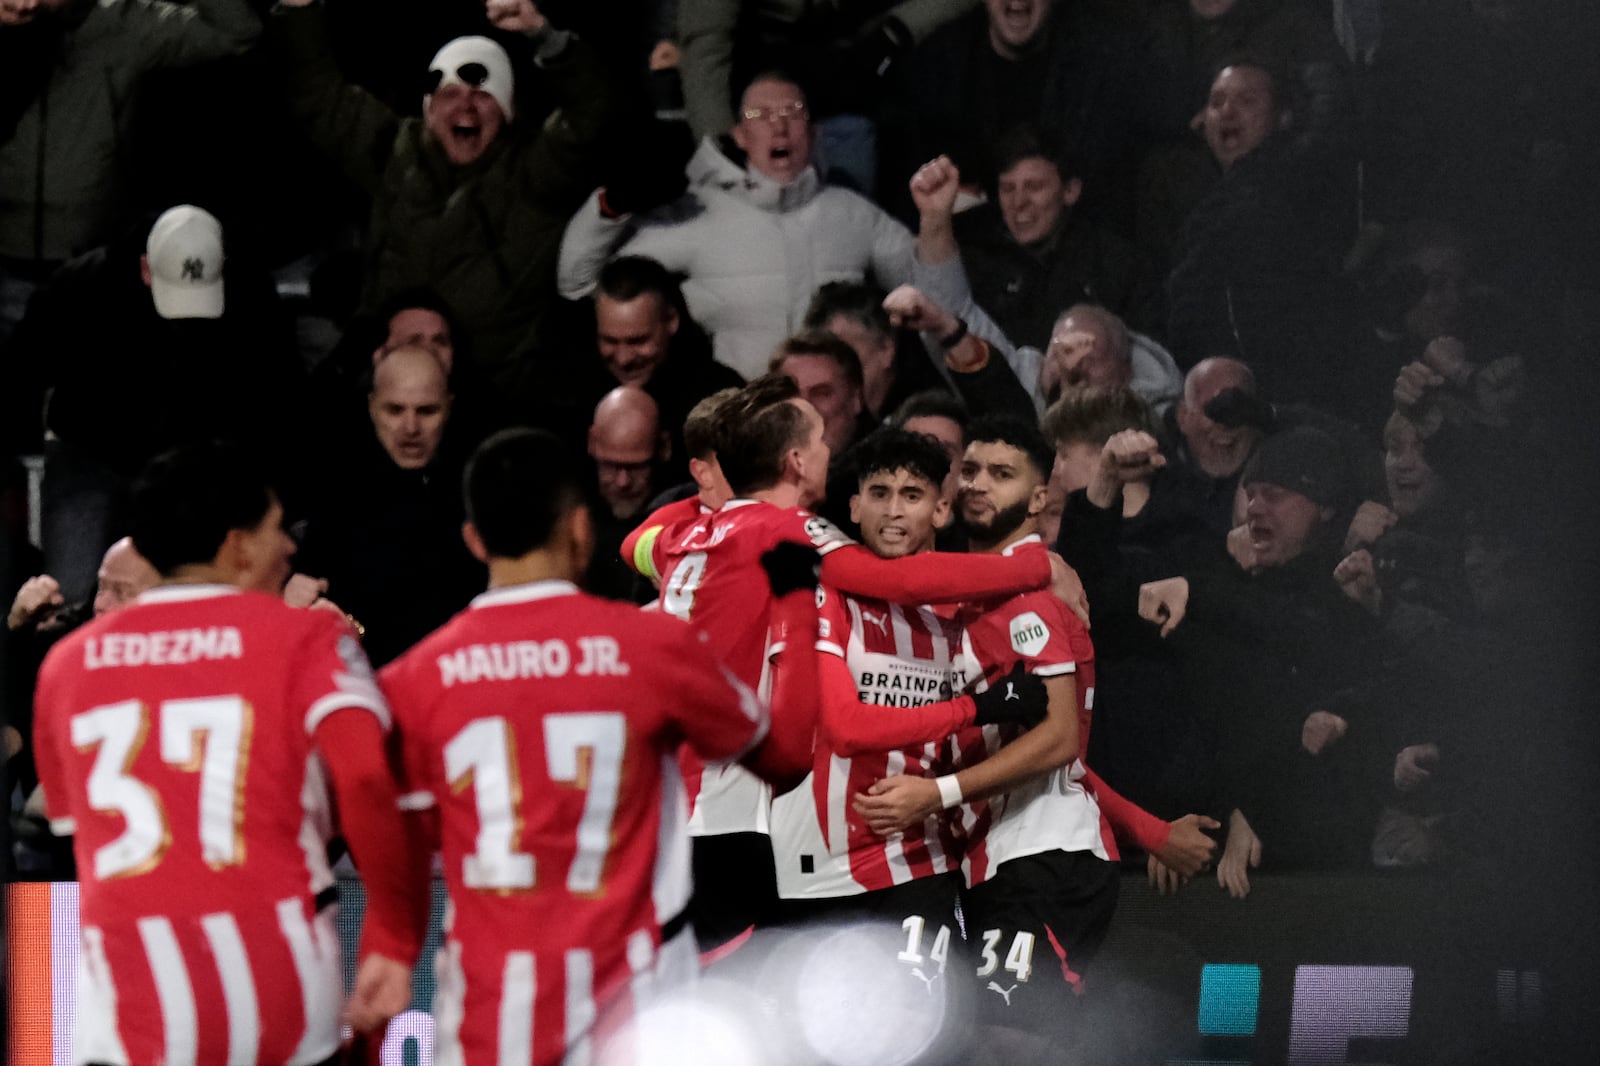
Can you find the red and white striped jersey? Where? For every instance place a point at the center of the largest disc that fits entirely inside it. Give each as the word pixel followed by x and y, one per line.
pixel 897 656
pixel 543 723
pixel 174 739
pixel 710 571
pixel 1054 812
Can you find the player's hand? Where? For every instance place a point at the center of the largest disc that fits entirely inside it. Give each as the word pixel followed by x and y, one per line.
pixel 790 568
pixel 383 989
pixel 1357 578
pixel 895 804
pixel 1067 587
pixel 934 187
pixel 516 16
pixel 36 599
pixel 1189 848
pixel 1321 731
pixel 1018 697
pixel 1163 878
pixel 1164 602
pixel 1240 855
pixel 1414 766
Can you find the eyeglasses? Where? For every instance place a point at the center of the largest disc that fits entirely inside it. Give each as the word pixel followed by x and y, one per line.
pixel 795 110
pixel 472 74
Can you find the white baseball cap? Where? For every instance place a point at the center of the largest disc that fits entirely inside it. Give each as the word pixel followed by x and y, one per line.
pixel 185 255
pixel 477 63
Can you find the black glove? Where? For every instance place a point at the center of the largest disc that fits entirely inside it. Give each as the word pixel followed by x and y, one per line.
pixel 790 568
pixel 650 172
pixel 1018 697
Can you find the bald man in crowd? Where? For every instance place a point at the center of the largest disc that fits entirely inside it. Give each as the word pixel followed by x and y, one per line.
pixel 383 541
pixel 629 449
pixel 39 617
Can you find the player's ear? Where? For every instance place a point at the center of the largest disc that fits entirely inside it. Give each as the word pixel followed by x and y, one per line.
pixel 1037 499
pixel 474 542
pixel 580 532
pixel 855 507
pixel 941 513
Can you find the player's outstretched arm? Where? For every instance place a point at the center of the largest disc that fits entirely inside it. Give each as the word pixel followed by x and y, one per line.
pixel 852 727
pixel 1182 846
pixel 393 863
pixel 936 577
pixel 638 547
pixel 895 803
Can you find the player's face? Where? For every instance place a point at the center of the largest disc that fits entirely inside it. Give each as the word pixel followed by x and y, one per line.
pixel 898 512
pixel 266 553
pixel 1000 492
pixel 814 458
pixel 1281 522
pixel 633 335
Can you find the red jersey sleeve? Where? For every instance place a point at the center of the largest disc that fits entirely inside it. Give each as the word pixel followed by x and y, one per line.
pixel 638 547
pixel 332 672
pixel 852 727
pixel 719 717
pixel 406 694
pixel 937 577
pixel 46 754
pixel 1132 822
pixel 1039 631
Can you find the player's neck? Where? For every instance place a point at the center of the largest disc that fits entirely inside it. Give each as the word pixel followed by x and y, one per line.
pixel 783 494
pixel 199 574
pixel 535 566
pixel 1027 529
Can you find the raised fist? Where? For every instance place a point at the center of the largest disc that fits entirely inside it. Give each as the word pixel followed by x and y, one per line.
pixel 934 187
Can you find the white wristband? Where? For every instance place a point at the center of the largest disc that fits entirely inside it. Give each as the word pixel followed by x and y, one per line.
pixel 949 790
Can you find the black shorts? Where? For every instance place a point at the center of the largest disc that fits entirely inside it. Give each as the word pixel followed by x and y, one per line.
pixel 735 886
pixel 1032 928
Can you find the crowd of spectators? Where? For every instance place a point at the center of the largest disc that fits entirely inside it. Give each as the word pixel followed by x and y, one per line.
pixel 1302 291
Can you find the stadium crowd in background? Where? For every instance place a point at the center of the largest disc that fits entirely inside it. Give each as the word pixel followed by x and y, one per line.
pixel 1301 293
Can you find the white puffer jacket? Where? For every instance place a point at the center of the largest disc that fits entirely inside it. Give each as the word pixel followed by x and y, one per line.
pixel 751 251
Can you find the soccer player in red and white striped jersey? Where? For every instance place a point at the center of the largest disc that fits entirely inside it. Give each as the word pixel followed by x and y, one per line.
pixel 188 742
pixel 540 729
pixel 880 661
pixel 775 460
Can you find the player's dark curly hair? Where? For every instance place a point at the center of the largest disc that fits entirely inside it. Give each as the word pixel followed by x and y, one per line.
pixel 186 502
pixel 1025 436
pixel 517 486
pixel 886 450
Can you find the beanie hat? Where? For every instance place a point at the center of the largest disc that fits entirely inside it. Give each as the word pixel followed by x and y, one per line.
pixel 1301 459
pixel 184 251
pixel 478 63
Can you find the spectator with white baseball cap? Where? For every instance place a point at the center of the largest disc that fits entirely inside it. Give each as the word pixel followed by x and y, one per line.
pixel 182 263
pixel 139 346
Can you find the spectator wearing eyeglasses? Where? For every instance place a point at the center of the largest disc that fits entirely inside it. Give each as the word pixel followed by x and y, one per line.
pixel 469 199
pixel 629 448
pixel 755 236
